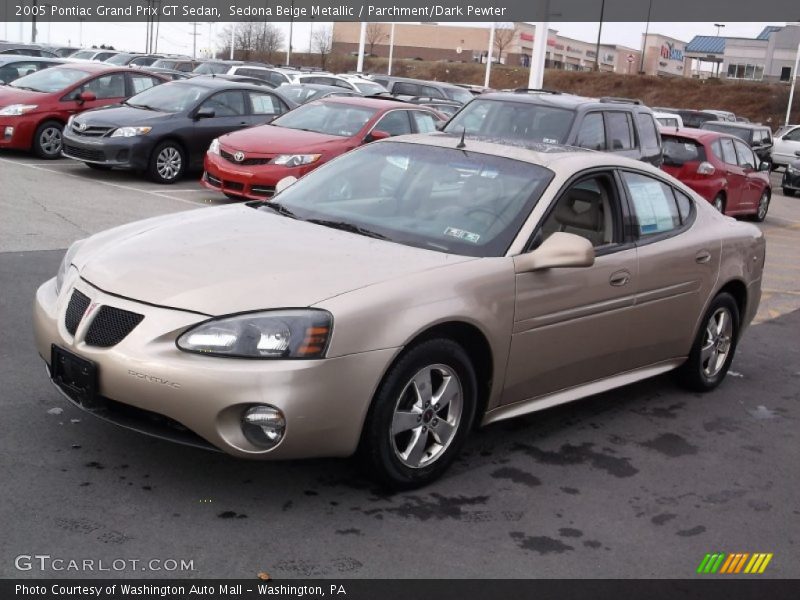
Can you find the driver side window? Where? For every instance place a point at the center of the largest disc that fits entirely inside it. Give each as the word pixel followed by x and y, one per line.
pixel 587 208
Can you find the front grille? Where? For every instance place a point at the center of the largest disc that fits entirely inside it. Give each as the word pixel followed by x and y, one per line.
pixel 110 326
pixel 233 185
pixel 248 162
pixel 84 153
pixel 263 190
pixel 76 308
pixel 92 131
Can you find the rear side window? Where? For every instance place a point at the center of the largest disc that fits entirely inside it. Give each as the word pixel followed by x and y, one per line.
pixel 728 153
pixel 395 123
pixel 406 89
pixel 654 204
pixel 265 104
pixel 647 133
pixel 142 82
pixel 684 205
pixel 592 133
pixel 793 135
pixel 745 155
pixel 620 131
pixel 678 151
pixel 431 92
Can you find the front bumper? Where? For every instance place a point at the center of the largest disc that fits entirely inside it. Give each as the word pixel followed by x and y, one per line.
pixel 791 181
pixel 251 182
pixel 16 133
pixel 120 152
pixel 146 383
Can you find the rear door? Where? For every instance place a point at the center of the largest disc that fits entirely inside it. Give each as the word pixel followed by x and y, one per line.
pixel 748 162
pixel 230 113
pixel 735 200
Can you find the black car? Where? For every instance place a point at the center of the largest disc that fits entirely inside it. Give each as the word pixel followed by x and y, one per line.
pixel 758 137
pixel 26 50
pixel 696 118
pixel 167 129
pixel 133 59
pixel 446 107
pixel 13 66
pixel 220 67
pixel 306 92
pixel 617 125
pixel 169 73
pixel 791 178
pixel 185 65
pixel 405 87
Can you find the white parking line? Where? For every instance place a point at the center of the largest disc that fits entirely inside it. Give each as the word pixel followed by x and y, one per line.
pixel 114 185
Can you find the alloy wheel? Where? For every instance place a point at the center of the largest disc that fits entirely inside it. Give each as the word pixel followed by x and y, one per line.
pixel 50 141
pixel 427 415
pixel 763 206
pixel 168 163
pixel 719 204
pixel 716 342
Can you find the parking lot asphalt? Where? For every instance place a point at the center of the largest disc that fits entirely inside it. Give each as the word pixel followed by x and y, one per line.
pixel 637 482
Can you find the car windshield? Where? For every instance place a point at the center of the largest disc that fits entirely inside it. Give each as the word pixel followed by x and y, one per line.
pixel 164 64
pixel 120 59
pixel 84 54
pixel 169 97
pixel 678 151
pixel 741 133
pixel 332 118
pixel 458 94
pixel 49 80
pixel 441 199
pixel 515 120
pixel 212 68
pixel 300 93
pixel 368 88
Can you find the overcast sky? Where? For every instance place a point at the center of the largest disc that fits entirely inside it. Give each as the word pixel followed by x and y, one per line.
pixel 176 37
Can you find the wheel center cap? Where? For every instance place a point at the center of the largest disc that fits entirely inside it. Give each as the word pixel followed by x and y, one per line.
pixel 427 416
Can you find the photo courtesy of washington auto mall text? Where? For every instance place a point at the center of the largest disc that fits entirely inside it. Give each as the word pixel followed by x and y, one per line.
pixel 392 300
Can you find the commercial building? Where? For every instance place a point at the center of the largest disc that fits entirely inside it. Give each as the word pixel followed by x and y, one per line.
pixel 664 56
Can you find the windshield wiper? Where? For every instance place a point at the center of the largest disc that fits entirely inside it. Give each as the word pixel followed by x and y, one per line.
pixel 342 225
pixel 144 106
pixel 278 208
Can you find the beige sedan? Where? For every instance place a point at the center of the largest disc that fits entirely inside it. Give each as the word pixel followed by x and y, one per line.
pixel 396 297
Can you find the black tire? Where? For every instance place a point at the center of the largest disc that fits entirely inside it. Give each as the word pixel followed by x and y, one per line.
pixel 97 167
pixel 719 201
pixel 47 141
pixel 378 449
pixel 788 192
pixel 167 163
pixel 763 207
pixel 693 374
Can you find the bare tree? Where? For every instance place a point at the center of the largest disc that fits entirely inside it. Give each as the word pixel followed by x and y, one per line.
pixel 503 36
pixel 376 33
pixel 253 39
pixel 322 44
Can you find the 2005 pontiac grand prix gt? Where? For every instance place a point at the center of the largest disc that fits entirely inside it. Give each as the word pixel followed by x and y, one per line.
pixel 396 297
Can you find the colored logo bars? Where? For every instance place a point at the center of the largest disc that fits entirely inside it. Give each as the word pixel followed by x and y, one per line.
pixel 742 562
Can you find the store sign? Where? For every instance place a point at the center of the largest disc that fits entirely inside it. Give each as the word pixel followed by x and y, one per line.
pixel 670 52
pixel 526 37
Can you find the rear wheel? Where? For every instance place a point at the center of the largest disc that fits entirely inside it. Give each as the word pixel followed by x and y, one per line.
pixel 47 140
pixel 719 203
pixel 167 163
pixel 714 346
pixel 763 207
pixel 420 415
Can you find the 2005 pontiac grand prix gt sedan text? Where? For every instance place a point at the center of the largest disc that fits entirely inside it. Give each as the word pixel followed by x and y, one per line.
pixel 397 296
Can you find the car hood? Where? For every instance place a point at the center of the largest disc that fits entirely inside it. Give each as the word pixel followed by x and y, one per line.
pixel 232 259
pixel 277 140
pixel 118 115
pixel 10 95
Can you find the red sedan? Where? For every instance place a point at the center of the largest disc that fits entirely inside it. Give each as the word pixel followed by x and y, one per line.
pixel 719 167
pixel 249 163
pixel 34 109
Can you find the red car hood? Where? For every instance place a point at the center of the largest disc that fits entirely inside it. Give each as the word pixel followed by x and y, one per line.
pixel 270 139
pixel 10 95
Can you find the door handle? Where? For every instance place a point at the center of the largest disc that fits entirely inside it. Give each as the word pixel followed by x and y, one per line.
pixel 702 257
pixel 619 278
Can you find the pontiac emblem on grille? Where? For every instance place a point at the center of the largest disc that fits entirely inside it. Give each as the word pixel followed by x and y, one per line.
pixel 238 156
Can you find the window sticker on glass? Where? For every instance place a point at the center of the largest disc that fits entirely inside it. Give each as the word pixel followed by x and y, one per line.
pixel 401 162
pixel 653 209
pixel 488 174
pixel 549 141
pixel 466 236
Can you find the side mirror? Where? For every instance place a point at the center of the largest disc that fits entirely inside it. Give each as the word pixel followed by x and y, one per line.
pixel 86 97
pixel 376 134
pixel 205 113
pixel 560 250
pixel 764 166
pixel 284 183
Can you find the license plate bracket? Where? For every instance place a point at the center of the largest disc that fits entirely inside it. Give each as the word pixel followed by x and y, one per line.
pixel 75 375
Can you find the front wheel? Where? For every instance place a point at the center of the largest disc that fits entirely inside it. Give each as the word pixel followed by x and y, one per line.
pixel 763 207
pixel 714 346
pixel 167 163
pixel 420 415
pixel 48 139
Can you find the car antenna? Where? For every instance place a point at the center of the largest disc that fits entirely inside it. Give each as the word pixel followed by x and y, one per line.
pixel 461 143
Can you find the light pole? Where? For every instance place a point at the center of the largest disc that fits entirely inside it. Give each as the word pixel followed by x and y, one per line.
pixel 233 37
pixel 719 26
pixel 391 50
pixel 489 53
pixel 794 82
pixel 362 42
pixel 599 35
pixel 646 33
pixel 291 32
pixel 536 75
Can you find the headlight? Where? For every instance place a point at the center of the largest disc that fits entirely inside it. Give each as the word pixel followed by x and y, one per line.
pixel 295 333
pixel 70 120
pixel 214 147
pixel 131 131
pixel 14 110
pixel 65 264
pixel 295 160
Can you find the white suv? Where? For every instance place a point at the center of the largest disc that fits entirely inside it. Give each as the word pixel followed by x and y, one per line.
pixel 786 145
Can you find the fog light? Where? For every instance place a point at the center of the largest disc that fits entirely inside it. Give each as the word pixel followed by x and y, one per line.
pixel 9 132
pixel 263 426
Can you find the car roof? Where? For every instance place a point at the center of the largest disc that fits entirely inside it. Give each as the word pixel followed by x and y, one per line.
pixel 377 103
pixel 562 100
pixel 9 58
pixel 316 86
pixel 216 82
pixel 422 81
pixel 91 67
pixel 737 125
pixel 700 135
